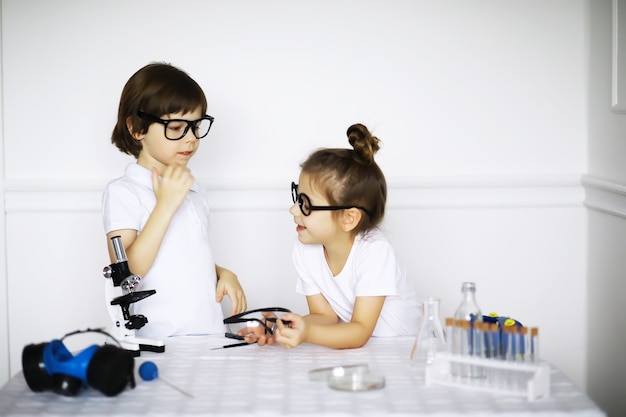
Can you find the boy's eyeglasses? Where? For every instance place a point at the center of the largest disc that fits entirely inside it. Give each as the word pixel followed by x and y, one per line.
pixel 306 207
pixel 176 129
pixel 253 318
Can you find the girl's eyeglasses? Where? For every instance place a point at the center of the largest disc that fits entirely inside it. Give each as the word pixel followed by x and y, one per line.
pixel 176 129
pixel 304 202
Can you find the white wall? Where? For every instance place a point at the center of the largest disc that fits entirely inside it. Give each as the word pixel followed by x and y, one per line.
pixel 481 107
pixel 4 307
pixel 606 196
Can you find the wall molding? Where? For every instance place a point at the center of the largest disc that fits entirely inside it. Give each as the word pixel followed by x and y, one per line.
pixel 245 195
pixel 605 196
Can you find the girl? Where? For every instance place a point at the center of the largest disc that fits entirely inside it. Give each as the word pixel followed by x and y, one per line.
pixel 349 272
pixel 159 210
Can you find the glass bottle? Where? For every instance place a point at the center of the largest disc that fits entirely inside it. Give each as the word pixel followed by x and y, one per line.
pixel 430 338
pixel 469 311
pixel 468 308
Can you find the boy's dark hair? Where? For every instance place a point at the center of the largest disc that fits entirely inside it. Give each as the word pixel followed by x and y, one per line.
pixel 157 89
pixel 351 177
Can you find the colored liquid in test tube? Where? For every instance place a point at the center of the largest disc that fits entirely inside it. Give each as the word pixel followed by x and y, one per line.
pixel 487 339
pixel 522 338
pixel 496 343
pixel 509 336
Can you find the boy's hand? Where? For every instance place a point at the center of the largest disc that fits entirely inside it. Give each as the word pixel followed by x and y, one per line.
pixel 228 284
pixel 170 190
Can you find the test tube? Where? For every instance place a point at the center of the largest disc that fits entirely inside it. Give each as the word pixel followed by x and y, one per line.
pixel 487 339
pixel 511 349
pixel 450 334
pixel 521 344
pixel 465 347
pixel 496 344
pixel 458 337
pixel 509 341
pixel 477 371
pixel 462 347
pixel 477 340
pixel 454 346
pixel 534 344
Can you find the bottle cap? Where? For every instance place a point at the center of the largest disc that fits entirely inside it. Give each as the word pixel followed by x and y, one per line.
pixel 509 322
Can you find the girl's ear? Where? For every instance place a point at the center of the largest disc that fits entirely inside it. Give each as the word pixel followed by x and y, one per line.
pixel 350 219
pixel 129 126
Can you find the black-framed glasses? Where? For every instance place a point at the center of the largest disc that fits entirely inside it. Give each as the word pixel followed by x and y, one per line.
pixel 253 318
pixel 176 129
pixel 304 202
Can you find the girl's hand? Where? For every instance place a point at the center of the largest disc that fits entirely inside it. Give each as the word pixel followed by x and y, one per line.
pixel 292 335
pixel 259 334
pixel 170 190
pixel 228 284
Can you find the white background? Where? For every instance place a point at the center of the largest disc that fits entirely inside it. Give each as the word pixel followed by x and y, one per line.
pixel 483 108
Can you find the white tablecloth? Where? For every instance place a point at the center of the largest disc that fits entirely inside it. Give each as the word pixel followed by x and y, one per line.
pixel 271 381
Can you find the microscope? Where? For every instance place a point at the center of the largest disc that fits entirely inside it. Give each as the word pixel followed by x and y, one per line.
pixel 120 296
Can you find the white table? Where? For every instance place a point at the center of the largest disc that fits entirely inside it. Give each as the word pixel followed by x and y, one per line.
pixel 271 381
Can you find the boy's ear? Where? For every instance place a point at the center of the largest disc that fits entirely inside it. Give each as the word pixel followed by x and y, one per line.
pixel 350 219
pixel 129 126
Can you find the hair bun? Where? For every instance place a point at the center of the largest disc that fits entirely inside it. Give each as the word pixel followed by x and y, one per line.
pixel 365 145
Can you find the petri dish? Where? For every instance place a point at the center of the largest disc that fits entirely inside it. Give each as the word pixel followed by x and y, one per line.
pixel 357 381
pixel 322 374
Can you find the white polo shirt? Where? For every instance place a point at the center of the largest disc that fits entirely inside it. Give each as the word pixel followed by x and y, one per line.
pixel 372 269
pixel 183 273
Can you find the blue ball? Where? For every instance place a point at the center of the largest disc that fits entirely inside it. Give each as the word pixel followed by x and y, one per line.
pixel 148 371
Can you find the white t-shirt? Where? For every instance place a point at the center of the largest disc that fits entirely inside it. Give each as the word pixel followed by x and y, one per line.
pixel 183 273
pixel 372 269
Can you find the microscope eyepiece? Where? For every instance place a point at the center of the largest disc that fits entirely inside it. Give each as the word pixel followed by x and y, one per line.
pixel 118 248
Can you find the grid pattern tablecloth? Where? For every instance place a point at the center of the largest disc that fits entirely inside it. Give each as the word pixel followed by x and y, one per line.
pixel 272 381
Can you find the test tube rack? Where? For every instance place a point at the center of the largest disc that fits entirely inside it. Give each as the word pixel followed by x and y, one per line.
pixel 530 380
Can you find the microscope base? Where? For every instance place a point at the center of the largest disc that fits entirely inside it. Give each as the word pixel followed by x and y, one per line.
pixel 152 348
pixel 134 345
